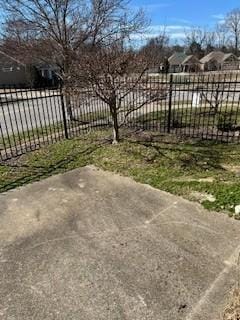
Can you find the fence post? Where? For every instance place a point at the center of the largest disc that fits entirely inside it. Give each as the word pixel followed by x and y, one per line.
pixel 170 104
pixel 64 113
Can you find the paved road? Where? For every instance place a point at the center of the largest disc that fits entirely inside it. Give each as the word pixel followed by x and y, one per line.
pixel 89 245
pixel 29 114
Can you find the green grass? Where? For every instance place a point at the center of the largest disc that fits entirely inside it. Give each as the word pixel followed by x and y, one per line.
pixel 188 117
pixel 180 117
pixel 168 164
pixel 31 134
pixel 94 116
pixel 53 129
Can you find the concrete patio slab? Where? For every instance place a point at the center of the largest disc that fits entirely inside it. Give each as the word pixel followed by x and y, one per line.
pixel 90 245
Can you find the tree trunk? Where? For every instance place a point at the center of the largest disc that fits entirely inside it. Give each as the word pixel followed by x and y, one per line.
pixel 236 42
pixel 66 68
pixel 115 132
pixel 114 115
pixel 68 106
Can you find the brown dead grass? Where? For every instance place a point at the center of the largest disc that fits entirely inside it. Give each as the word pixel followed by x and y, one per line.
pixel 232 312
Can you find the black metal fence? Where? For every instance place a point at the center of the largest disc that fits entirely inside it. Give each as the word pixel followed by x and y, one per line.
pixel 199 106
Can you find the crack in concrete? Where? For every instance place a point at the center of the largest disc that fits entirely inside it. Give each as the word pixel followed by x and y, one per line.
pixel 196 312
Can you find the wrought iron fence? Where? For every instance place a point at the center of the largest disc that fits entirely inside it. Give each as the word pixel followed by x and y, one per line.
pixel 199 106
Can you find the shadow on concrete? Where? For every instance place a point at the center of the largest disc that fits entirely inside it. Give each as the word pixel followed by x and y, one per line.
pixel 37 173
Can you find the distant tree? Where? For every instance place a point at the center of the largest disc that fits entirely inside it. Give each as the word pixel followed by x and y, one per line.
pixel 194 41
pixel 166 65
pixel 232 23
pixel 157 48
pixel 24 44
pixel 177 48
pixel 195 34
pixel 200 41
pixel 209 43
pixel 195 49
pixel 222 38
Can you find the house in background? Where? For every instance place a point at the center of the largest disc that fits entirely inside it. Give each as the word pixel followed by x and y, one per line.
pixel 48 73
pixel 180 62
pixel 191 64
pixel 15 73
pixel 12 71
pixel 230 62
pixel 219 61
pixel 175 62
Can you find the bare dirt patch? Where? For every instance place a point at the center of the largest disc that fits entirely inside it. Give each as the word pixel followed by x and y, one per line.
pixel 201 196
pixel 233 169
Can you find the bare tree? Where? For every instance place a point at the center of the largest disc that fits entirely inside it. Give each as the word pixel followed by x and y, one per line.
pixel 63 28
pixel 209 41
pixel 116 75
pixel 21 43
pixel 157 48
pixel 222 36
pixel 67 25
pixel 194 40
pixel 195 34
pixel 233 24
pixel 17 30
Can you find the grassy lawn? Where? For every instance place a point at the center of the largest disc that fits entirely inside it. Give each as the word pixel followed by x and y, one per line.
pixel 188 116
pixel 53 129
pixel 93 116
pixel 31 134
pixel 181 117
pixel 200 171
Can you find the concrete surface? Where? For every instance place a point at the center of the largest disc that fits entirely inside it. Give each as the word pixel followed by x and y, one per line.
pixel 90 245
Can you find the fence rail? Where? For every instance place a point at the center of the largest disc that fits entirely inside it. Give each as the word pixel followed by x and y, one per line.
pixel 197 106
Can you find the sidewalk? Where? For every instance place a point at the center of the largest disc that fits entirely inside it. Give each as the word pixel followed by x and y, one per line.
pixel 90 245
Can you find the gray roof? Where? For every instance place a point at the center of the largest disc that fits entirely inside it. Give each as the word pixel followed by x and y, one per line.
pixel 188 58
pixel 6 59
pixel 228 55
pixel 218 56
pixel 177 58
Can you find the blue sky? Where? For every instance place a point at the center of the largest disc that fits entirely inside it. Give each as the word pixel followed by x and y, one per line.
pixel 178 15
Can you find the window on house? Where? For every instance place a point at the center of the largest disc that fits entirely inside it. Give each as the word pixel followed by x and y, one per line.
pixel 45 73
pixel 7 69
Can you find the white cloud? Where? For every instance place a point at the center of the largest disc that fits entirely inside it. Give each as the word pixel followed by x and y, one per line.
pixel 168 28
pixel 153 6
pixel 175 32
pixel 185 21
pixel 172 28
pixel 219 16
pixel 178 35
